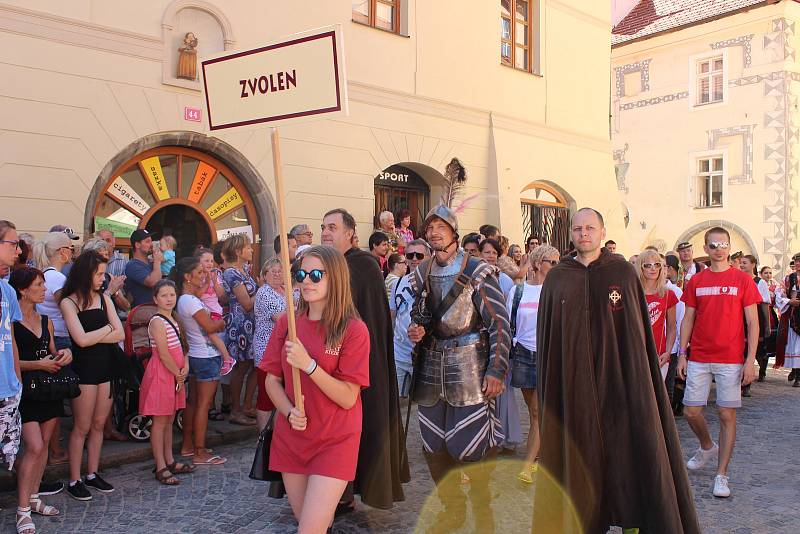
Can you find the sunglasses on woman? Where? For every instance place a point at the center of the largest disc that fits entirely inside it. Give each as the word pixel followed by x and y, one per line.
pixel 314 274
pixel 652 265
pixel 418 255
pixel 552 263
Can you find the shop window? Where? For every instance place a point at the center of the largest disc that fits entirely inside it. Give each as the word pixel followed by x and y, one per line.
pixel 380 14
pixel 518 35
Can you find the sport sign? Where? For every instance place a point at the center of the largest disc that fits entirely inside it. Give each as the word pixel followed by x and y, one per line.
pixel 299 76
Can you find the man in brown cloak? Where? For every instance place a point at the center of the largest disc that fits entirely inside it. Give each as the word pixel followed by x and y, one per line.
pixel 610 452
pixel 382 463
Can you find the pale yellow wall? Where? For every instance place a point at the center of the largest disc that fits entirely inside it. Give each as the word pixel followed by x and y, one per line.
pixel 662 136
pixel 82 80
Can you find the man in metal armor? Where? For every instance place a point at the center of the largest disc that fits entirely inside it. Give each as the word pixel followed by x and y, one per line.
pixel 461 327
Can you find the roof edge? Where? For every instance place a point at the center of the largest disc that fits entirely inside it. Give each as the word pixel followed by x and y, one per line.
pixel 696 23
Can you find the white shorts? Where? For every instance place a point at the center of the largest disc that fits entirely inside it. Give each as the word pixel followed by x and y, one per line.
pixel 728 377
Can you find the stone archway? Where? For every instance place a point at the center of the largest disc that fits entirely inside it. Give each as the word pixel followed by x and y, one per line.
pixel 693 231
pixel 546 209
pixel 262 200
pixel 409 184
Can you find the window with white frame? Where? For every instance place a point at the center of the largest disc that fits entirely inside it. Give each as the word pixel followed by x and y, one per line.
pixel 710 80
pixel 709 181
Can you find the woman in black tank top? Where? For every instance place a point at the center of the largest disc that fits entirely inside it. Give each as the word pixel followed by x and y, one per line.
pixel 37 352
pixel 94 328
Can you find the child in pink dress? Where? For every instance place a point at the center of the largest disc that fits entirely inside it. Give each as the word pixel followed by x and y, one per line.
pixel 162 391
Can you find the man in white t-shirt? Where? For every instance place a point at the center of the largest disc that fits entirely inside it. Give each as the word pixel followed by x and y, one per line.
pixel 400 304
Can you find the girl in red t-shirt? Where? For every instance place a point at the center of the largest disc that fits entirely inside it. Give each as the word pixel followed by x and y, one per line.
pixel 661 302
pixel 317 451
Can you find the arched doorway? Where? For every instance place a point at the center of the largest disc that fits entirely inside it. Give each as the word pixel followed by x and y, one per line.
pixel 545 214
pixel 399 187
pixel 740 239
pixel 185 223
pixel 176 191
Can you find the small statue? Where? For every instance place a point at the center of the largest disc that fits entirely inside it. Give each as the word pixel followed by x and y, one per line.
pixel 187 59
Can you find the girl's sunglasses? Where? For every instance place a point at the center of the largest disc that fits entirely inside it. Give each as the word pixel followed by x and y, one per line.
pixel 552 263
pixel 651 265
pixel 314 274
pixel 411 255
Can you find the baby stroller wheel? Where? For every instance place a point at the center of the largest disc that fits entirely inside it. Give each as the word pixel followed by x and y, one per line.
pixel 139 427
pixel 179 419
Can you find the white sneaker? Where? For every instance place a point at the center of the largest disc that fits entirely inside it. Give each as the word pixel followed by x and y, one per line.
pixel 702 457
pixel 721 488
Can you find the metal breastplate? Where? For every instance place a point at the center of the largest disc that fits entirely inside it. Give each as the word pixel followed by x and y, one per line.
pixel 454 363
pixel 462 317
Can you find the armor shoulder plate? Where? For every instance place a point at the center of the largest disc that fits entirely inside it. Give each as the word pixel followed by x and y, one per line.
pixel 480 271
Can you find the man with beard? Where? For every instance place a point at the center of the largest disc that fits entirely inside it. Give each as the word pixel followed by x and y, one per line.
pixel 463 355
pixel 610 453
pixel 140 274
pixel 382 464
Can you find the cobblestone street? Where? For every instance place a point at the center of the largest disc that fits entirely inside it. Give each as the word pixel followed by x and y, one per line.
pixel 764 481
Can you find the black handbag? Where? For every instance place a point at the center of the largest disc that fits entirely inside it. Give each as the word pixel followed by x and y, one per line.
pixel 43 386
pixel 260 469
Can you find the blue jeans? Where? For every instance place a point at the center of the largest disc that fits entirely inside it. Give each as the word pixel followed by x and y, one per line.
pixel 404 370
pixel 205 369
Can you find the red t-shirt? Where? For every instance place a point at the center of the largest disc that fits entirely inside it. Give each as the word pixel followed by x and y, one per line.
pixel 719 300
pixel 329 444
pixel 658 307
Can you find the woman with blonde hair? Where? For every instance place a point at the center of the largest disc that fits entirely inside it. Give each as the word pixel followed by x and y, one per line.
pixel 316 450
pixel 269 308
pixel 661 302
pixel 523 309
pixel 50 254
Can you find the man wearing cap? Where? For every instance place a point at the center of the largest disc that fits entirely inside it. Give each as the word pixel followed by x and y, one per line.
pixel 463 359
pixel 60 228
pixel 689 267
pixel 736 260
pixel 142 275
pixel 302 234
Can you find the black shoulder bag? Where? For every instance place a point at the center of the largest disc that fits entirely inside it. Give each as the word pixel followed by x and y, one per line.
pixel 41 386
pixel 260 469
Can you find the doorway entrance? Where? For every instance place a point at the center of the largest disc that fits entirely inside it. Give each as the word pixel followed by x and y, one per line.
pixel 545 214
pixel 185 224
pixel 398 188
pixel 177 191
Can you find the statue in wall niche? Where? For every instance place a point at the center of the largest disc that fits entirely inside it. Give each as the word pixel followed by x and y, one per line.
pixel 187 58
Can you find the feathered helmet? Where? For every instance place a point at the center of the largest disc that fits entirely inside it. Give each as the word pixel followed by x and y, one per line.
pixel 455 175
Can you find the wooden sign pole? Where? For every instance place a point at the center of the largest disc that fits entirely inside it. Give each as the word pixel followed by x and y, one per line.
pixel 287 265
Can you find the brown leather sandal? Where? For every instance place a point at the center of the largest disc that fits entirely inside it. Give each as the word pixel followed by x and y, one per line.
pixel 166 477
pixel 182 470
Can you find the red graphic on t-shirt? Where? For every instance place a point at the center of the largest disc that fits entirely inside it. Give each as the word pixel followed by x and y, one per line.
pixel 719 299
pixel 658 306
